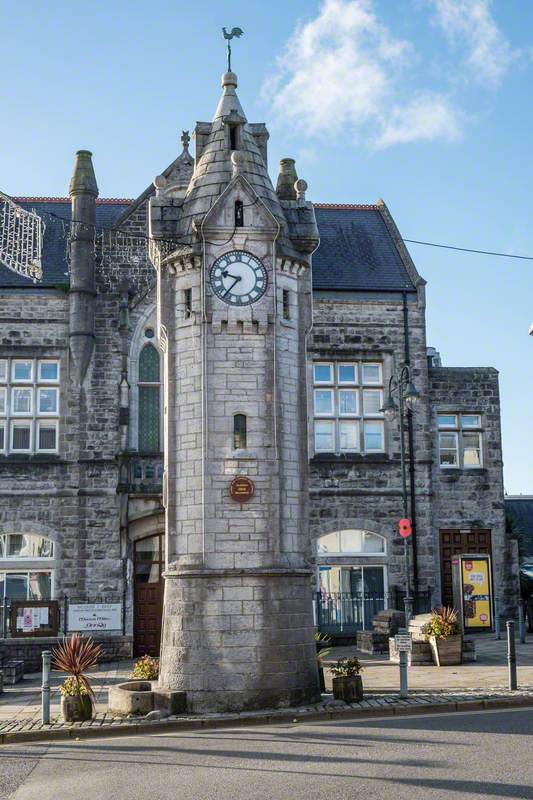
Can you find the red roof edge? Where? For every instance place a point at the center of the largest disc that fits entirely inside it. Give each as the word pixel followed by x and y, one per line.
pixel 348 206
pixel 108 201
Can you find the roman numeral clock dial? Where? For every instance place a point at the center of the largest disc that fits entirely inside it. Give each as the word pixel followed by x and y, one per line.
pixel 238 278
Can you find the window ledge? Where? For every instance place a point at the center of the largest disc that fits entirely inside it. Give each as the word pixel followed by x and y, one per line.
pixel 30 458
pixel 351 458
pixel 242 455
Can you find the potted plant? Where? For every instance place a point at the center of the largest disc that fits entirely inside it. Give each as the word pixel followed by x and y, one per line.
pixel 444 635
pixel 75 656
pixel 145 669
pixel 347 681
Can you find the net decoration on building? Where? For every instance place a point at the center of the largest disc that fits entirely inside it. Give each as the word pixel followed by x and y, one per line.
pixel 21 239
pixel 116 247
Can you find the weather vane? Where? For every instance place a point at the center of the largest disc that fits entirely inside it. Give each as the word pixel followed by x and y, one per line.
pixel 235 32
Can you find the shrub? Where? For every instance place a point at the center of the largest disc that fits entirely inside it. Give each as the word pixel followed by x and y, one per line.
pixel 346 667
pixel 443 623
pixel 76 655
pixel 146 669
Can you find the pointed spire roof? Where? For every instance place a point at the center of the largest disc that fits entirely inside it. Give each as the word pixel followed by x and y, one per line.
pixel 229 104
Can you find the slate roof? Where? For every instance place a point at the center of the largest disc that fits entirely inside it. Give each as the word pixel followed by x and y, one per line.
pixel 54 262
pixel 356 252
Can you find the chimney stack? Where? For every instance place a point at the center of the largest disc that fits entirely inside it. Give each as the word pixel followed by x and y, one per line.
pixel 83 193
pixel 287 177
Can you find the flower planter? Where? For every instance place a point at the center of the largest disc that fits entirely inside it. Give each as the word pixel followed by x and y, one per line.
pixel 76 708
pixel 446 652
pixel 349 689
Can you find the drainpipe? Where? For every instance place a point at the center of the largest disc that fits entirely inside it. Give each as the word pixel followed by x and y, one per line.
pixel 410 437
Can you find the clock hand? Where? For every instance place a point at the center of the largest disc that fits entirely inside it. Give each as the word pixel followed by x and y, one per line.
pixel 237 279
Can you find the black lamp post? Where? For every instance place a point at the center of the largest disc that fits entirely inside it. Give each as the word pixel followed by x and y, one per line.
pixel 401 385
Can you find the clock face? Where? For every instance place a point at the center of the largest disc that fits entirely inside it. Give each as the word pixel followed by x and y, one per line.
pixel 238 278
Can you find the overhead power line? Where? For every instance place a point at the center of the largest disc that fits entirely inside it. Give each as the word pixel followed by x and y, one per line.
pixel 468 249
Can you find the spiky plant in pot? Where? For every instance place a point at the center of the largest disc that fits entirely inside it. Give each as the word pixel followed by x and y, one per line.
pixel 76 655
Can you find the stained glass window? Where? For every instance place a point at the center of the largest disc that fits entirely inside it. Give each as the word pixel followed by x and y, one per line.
pixel 149 400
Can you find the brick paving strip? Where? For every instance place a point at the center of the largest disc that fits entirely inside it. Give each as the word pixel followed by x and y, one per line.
pixel 375 705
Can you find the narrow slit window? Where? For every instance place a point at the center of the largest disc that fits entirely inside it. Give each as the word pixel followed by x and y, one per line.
pixel 239 214
pixel 187 302
pixel 239 432
pixel 286 304
pixel 233 137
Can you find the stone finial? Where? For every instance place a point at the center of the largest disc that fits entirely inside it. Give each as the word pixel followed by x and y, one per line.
pixel 229 79
pixel 287 177
pixel 83 180
pixel 185 139
pixel 300 187
pixel 160 183
pixel 237 162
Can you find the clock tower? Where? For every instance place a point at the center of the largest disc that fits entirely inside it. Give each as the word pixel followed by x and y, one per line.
pixel 233 259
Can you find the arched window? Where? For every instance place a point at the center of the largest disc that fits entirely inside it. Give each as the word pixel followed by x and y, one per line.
pixel 239 432
pixel 149 400
pixel 239 214
pixel 351 542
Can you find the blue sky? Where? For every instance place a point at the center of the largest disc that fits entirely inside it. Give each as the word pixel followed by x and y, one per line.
pixel 426 103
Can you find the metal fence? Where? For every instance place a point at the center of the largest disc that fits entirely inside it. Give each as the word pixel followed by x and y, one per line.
pixel 9 607
pixel 343 612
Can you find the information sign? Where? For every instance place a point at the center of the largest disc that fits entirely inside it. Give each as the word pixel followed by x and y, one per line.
pixel 241 489
pixel 95 617
pixel 403 642
pixel 476 593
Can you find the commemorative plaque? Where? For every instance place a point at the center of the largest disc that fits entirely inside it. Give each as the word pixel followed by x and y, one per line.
pixel 241 489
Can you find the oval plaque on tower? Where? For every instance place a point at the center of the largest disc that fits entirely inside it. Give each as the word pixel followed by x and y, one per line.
pixel 241 489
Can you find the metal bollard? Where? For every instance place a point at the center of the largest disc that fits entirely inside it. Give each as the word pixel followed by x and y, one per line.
pixel 404 688
pixel 45 691
pixel 408 607
pixel 521 622
pixel 511 655
pixel 497 625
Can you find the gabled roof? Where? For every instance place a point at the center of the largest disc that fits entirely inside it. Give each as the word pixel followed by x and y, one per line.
pixel 357 251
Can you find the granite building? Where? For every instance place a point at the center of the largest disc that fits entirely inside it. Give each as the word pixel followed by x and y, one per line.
pixel 132 394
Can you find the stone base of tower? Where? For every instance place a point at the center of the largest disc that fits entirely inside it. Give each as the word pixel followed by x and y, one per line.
pixel 235 640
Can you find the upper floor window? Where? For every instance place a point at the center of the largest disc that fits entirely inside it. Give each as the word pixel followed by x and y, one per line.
pixel 347 399
pixel 29 405
pixel 239 213
pixel 460 440
pixel 149 400
pixel 351 542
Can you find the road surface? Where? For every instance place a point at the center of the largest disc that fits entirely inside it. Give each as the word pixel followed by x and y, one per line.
pixel 467 755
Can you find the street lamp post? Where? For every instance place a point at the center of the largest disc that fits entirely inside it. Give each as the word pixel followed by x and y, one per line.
pixel 402 385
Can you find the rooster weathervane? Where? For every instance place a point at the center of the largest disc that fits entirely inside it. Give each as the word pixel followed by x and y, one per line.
pixel 235 32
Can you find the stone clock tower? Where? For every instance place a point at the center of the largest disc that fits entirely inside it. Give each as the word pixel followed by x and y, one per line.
pixel 234 301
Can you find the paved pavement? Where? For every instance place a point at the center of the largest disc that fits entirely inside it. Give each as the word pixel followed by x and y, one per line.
pixel 23 701
pixel 443 757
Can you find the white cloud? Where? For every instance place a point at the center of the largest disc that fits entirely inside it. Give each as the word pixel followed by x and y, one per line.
pixel 343 70
pixel 426 117
pixel 470 23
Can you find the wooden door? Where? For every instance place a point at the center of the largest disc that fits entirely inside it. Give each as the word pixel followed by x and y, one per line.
pixel 148 595
pixel 454 542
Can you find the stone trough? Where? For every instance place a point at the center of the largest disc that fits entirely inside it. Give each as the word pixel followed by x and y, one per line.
pixel 139 698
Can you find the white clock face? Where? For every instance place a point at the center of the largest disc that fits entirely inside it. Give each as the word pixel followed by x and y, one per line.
pixel 238 278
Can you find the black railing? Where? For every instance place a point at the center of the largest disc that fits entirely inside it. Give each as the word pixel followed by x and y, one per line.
pixel 345 612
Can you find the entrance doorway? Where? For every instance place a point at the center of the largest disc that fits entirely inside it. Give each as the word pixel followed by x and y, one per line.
pixel 148 564
pixel 454 542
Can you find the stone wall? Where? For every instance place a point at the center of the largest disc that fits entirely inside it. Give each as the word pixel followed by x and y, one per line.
pixel 115 648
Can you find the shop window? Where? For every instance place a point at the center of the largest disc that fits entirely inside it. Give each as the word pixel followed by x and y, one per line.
pixel 351 542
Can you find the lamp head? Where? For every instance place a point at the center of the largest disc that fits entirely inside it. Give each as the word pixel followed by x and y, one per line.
pixel 389 408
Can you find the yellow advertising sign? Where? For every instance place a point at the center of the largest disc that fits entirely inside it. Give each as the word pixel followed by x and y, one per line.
pixel 476 593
